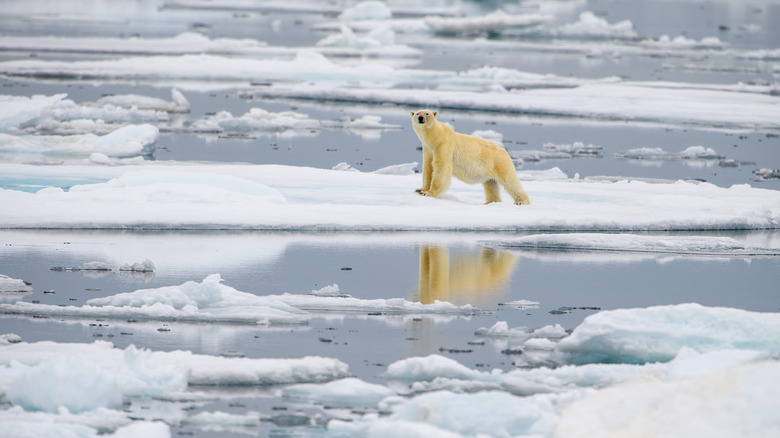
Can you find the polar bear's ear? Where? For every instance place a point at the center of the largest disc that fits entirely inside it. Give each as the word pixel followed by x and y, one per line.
pixel 411 113
pixel 435 114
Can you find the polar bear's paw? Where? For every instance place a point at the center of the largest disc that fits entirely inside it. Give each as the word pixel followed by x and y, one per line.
pixel 422 192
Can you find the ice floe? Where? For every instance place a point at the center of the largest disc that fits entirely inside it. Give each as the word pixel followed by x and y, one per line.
pixel 589 25
pixel 212 301
pixel 494 22
pixel 345 393
pixel 127 141
pixel 8 284
pixel 694 245
pixel 691 348
pixel 169 196
pixel 658 333
pixel 15 110
pixel 552 151
pixel 709 107
pixel 658 154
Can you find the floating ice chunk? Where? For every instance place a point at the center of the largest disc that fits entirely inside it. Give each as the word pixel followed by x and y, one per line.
pixel 398 169
pixel 192 300
pixel 735 401
pixel 15 110
pixel 681 42
pixel 330 291
pixel 65 383
pixel 493 22
pixel 429 368
pixel 658 154
pixel 8 284
pixel 521 304
pixel 178 103
pixel 699 245
pixel 343 166
pixel 224 422
pixel 347 38
pixel 126 141
pixel 489 134
pixel 501 329
pixel 345 393
pixel 21 424
pixel 367 10
pixel 145 373
pixel 145 266
pixel 553 151
pixel 489 413
pixel 590 25
pixel 10 338
pixel 765 173
pixel 658 333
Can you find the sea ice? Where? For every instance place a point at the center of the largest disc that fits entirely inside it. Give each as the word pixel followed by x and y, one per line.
pixel 145 266
pixel 212 301
pixel 695 245
pixel 493 22
pixel 589 25
pixel 658 154
pixel 15 110
pixel 178 104
pixel 735 401
pixel 127 141
pixel 235 196
pixel 8 284
pixel 345 393
pixel 658 333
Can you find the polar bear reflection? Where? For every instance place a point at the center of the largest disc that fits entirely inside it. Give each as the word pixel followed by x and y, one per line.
pixel 471 277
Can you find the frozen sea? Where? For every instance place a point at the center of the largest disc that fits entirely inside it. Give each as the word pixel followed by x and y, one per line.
pixel 208 224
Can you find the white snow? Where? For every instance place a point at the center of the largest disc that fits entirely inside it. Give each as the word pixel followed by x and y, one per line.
pixel 165 196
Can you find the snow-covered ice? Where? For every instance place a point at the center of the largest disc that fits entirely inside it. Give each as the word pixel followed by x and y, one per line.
pixel 169 196
pixel 658 333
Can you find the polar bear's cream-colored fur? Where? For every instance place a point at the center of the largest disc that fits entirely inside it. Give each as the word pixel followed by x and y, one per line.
pixel 471 159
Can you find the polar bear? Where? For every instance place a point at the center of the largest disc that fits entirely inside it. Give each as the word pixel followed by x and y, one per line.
pixel 471 159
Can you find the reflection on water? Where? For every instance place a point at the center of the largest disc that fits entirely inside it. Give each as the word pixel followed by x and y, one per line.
pixel 469 277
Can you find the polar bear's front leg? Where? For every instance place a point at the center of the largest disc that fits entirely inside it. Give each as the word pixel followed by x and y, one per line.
pixel 427 171
pixel 441 176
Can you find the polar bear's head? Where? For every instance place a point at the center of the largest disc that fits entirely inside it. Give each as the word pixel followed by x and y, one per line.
pixel 423 117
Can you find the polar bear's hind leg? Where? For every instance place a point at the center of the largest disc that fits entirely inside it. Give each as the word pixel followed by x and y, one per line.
pixel 513 186
pixel 492 192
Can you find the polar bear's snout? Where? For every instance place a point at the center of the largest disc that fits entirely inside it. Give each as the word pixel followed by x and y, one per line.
pixel 420 119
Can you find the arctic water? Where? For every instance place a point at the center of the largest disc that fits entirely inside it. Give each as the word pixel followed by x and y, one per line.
pixel 501 282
